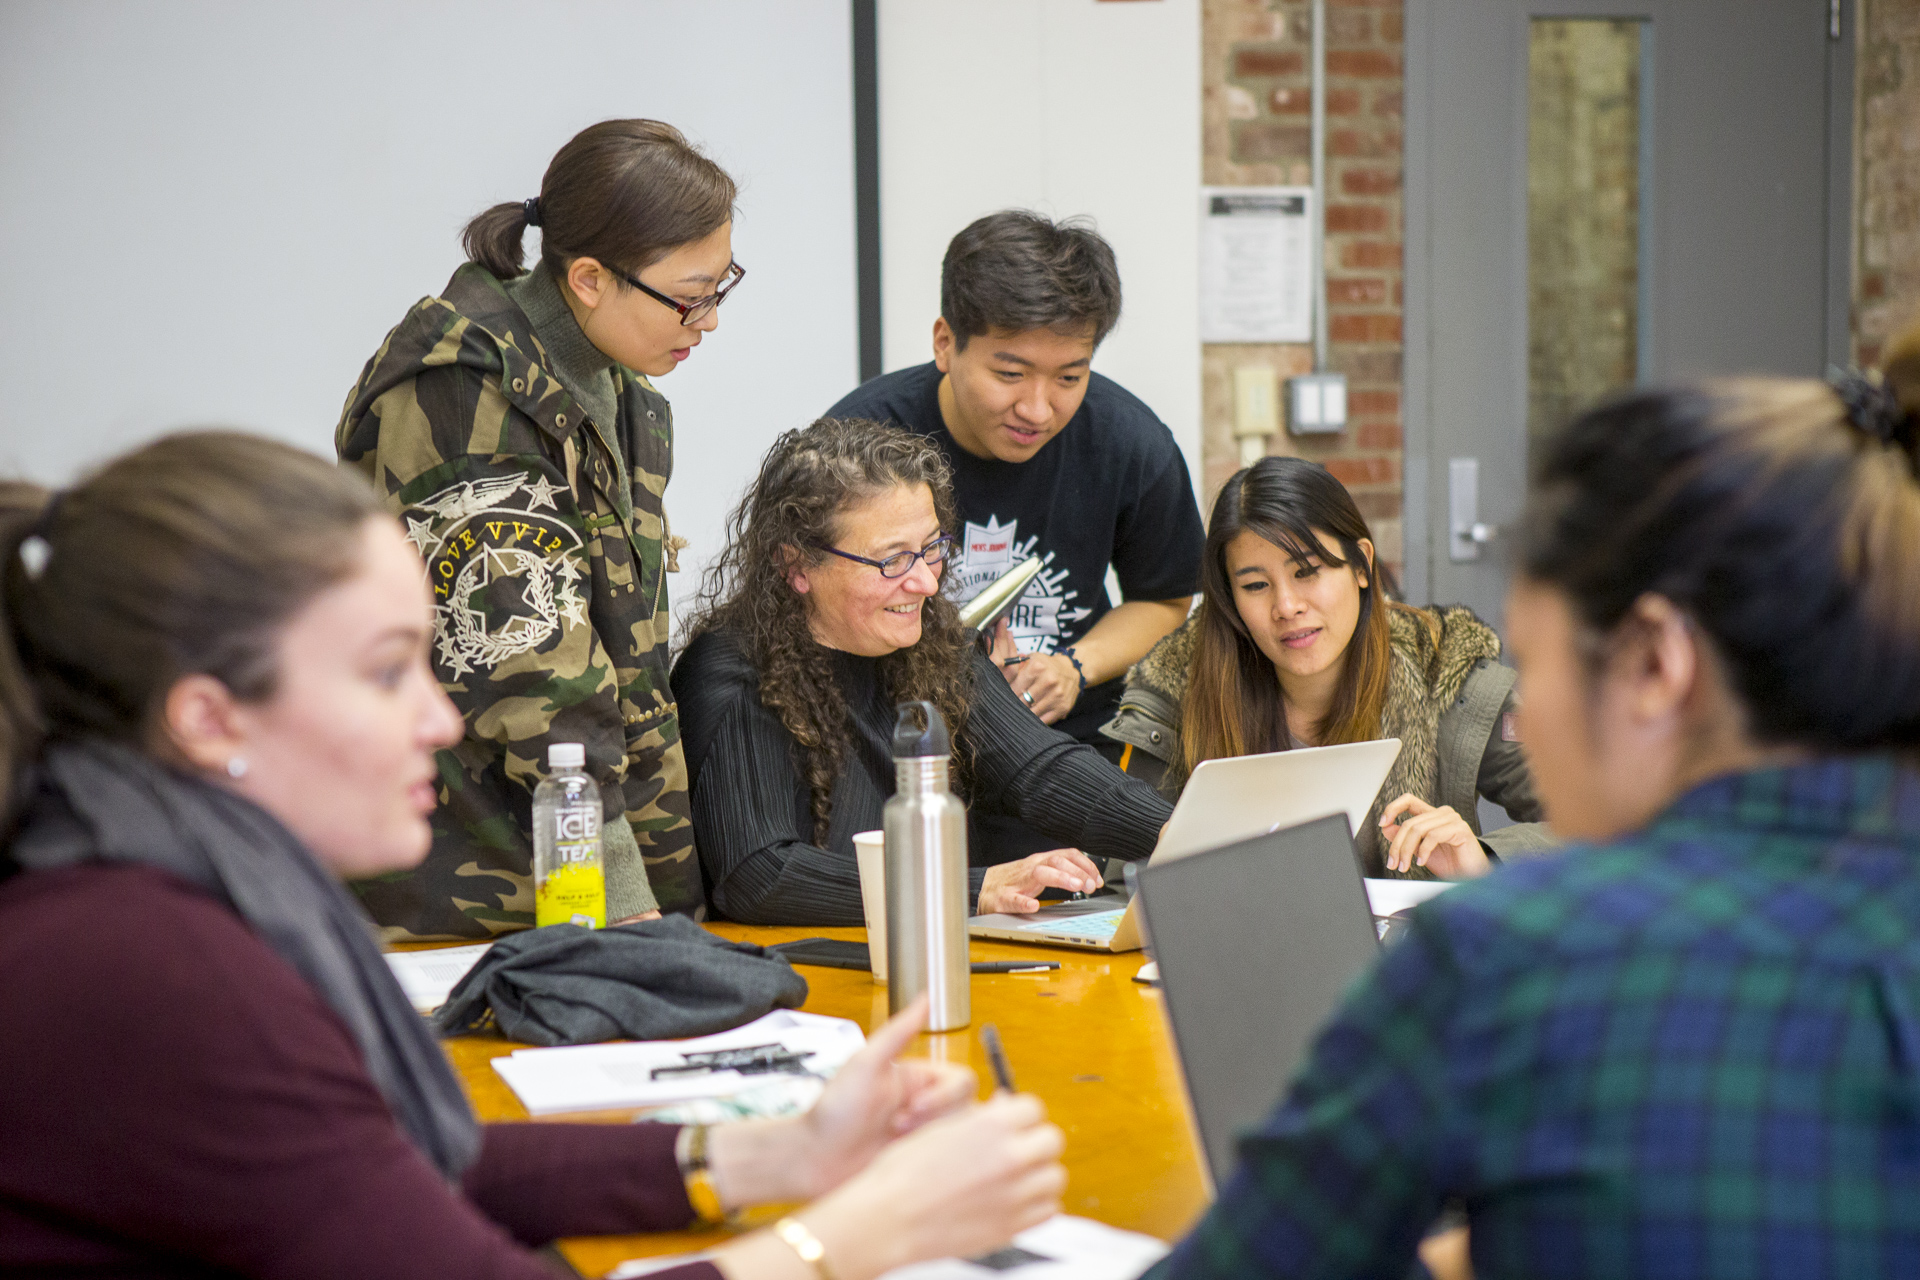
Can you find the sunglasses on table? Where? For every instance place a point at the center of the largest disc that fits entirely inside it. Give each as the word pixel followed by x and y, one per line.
pixel 901 563
pixel 700 308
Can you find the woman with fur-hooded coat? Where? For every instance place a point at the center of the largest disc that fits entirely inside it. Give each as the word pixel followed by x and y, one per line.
pixel 1295 644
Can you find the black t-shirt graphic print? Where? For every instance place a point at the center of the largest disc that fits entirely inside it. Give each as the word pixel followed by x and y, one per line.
pixel 1111 488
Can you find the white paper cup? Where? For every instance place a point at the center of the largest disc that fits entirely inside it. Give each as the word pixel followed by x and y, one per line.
pixel 868 848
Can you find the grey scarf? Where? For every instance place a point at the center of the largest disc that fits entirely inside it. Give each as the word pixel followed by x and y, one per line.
pixel 98 801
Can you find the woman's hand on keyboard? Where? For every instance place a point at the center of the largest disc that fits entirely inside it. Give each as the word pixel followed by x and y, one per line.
pixel 1016 886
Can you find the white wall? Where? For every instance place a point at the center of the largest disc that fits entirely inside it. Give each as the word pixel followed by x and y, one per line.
pixel 213 210
pixel 1062 106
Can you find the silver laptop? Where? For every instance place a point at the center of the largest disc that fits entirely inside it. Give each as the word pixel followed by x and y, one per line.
pixel 1257 943
pixel 1224 801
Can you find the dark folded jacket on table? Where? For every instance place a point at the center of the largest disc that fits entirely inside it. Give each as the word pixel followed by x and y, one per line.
pixel 663 979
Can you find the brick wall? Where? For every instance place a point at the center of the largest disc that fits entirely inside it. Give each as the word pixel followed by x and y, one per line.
pixel 1255 117
pixel 1255 110
pixel 1886 291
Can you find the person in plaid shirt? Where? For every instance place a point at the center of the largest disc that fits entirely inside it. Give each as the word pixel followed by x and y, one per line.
pixel 1688 1045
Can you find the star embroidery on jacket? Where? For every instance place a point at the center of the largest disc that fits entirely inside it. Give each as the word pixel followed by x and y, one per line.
pixel 420 533
pixel 450 651
pixel 573 606
pixel 540 493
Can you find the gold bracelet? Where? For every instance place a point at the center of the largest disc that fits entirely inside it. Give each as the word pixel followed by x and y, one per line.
pixel 690 1152
pixel 806 1244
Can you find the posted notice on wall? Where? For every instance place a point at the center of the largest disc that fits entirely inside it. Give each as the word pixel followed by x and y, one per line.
pixel 1256 264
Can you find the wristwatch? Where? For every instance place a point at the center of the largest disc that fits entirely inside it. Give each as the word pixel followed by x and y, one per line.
pixel 690 1152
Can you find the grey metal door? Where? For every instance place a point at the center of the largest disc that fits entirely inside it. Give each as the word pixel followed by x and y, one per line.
pixel 1740 234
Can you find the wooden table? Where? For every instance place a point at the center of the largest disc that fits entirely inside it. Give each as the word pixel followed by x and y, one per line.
pixel 1090 1041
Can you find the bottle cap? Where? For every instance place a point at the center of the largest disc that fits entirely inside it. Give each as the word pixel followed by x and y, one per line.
pixel 919 732
pixel 566 755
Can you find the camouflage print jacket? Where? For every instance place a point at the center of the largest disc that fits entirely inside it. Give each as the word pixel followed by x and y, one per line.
pixel 543 531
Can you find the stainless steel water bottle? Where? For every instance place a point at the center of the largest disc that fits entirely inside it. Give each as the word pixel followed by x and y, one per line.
pixel 924 827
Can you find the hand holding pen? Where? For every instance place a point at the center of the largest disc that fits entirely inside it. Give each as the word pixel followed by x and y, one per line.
pixel 1047 683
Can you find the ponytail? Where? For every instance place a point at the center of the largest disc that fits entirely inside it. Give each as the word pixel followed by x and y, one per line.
pixel 493 239
pixel 624 192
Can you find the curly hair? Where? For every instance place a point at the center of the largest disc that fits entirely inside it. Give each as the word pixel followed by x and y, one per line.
pixel 807 480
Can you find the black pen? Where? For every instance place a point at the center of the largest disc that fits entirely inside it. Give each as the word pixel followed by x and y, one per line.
pixel 1014 966
pixel 997 1058
pixel 1015 660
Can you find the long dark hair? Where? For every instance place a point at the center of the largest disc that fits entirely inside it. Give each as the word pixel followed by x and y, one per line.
pixel 183 557
pixel 625 192
pixel 1234 705
pixel 806 481
pixel 1783 516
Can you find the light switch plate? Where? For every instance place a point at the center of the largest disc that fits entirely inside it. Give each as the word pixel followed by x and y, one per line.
pixel 1256 400
pixel 1317 403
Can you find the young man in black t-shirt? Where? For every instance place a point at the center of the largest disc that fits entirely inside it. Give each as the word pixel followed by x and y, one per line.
pixel 1049 459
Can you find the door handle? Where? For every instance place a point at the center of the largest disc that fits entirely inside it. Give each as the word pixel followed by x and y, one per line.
pixel 1481 532
pixel 1467 532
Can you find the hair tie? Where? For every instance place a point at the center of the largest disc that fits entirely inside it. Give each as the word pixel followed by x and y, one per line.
pixel 1873 409
pixel 530 210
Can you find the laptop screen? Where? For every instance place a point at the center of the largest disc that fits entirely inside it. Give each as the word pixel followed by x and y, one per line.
pixel 1257 942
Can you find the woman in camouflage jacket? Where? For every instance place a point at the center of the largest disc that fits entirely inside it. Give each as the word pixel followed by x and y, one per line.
pixel 512 427
pixel 1292 610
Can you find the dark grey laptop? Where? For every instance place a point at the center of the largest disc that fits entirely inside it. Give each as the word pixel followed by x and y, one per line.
pixel 1257 941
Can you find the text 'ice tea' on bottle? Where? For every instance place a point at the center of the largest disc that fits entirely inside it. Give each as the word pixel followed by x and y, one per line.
pixel 569 879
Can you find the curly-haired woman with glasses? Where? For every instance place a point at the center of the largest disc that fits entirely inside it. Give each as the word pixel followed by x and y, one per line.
pixel 823 613
pixel 510 423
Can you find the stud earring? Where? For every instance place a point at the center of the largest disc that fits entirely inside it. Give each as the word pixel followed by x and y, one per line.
pixel 237 767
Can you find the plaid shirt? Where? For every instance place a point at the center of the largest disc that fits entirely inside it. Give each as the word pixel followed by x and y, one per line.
pixel 1695 1052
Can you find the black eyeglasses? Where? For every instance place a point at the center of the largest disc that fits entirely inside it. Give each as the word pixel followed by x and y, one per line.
pixel 699 309
pixel 900 564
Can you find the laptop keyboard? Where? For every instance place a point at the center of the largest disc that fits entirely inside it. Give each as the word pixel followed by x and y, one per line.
pixel 1095 924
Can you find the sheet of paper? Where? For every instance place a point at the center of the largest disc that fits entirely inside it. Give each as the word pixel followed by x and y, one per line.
pixel 429 977
pixel 1256 264
pixel 1389 896
pixel 1061 1248
pixel 610 1077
